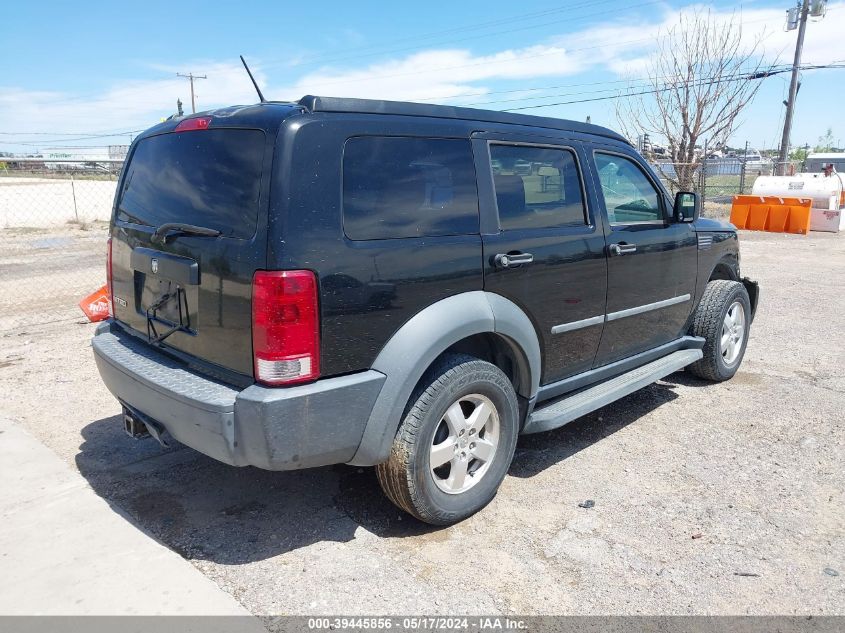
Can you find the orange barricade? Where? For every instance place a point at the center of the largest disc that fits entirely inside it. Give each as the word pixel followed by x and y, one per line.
pixel 771 213
pixel 96 305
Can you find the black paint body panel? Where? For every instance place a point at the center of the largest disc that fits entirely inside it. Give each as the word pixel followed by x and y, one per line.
pixel 718 259
pixel 219 305
pixel 370 288
pixel 567 280
pixel 663 267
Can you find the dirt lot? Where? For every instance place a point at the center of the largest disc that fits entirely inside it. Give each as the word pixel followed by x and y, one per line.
pixel 709 499
pixel 45 271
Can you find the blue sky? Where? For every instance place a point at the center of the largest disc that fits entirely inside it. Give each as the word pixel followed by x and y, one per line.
pixel 110 67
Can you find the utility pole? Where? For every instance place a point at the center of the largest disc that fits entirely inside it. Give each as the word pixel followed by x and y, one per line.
pixel 192 76
pixel 793 88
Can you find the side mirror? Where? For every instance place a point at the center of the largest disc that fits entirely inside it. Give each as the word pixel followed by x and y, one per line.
pixel 687 207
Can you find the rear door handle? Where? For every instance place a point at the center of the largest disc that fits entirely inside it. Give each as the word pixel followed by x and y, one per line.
pixel 622 249
pixel 506 260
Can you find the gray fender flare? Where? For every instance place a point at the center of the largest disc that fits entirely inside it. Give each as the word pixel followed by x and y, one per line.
pixel 415 346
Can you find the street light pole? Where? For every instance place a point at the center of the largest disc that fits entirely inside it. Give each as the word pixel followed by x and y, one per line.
pixel 793 89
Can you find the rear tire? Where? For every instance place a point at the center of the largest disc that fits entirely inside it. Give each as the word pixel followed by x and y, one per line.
pixel 722 319
pixel 455 443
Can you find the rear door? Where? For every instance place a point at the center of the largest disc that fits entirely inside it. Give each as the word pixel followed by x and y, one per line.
pixel 651 261
pixel 544 244
pixel 190 293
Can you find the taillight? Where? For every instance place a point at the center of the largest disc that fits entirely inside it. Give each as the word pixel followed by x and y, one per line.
pixel 196 123
pixel 109 277
pixel 285 326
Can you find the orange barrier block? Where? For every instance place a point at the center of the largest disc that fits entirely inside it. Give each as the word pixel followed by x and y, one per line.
pixel 771 213
pixel 799 220
pixel 739 215
pixel 757 216
pixel 778 218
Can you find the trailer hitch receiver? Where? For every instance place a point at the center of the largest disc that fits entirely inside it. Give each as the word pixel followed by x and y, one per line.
pixel 139 426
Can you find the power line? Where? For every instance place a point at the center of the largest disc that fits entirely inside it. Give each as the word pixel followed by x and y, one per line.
pixel 56 133
pixel 775 70
pixel 83 136
pixel 568 19
pixel 465 28
pixel 457 29
pixel 538 88
pixel 631 83
pixel 381 51
pixel 558 51
pixel 755 76
pixel 809 66
pixel 528 89
pixel 42 143
pixel 120 131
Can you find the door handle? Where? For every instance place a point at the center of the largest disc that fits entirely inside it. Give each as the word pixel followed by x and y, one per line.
pixel 506 260
pixel 622 249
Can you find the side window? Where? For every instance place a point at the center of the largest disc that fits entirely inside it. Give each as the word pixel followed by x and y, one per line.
pixel 628 193
pixel 537 187
pixel 397 187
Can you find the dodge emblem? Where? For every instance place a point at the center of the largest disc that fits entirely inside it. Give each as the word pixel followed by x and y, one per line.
pixel 154 265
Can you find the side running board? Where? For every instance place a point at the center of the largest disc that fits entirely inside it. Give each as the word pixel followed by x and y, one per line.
pixel 565 410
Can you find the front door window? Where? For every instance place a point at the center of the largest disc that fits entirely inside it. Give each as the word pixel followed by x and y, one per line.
pixel 629 196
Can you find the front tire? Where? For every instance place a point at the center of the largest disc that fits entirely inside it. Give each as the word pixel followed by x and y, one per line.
pixel 723 319
pixel 455 443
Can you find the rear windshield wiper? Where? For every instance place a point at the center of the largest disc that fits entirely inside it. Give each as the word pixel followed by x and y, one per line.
pixel 177 228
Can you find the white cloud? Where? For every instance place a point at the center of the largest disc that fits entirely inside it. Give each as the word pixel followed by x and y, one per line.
pixel 438 72
pixel 127 106
pixel 452 74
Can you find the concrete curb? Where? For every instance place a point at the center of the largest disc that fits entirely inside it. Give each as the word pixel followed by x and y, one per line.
pixel 65 551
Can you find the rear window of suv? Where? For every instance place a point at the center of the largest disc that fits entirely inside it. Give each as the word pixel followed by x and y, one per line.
pixel 398 187
pixel 209 178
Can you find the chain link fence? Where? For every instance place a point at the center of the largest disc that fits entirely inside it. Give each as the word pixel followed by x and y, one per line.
pixel 718 180
pixel 54 217
pixel 53 227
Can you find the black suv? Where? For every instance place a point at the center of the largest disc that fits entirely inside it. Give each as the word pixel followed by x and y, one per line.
pixel 403 286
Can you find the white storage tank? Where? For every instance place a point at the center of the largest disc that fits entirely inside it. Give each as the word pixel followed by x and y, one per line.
pixel 825 191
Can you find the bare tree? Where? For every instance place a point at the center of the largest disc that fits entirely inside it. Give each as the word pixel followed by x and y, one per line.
pixel 700 78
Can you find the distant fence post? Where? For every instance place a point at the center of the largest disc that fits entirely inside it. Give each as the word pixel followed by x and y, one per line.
pixel 703 185
pixel 73 193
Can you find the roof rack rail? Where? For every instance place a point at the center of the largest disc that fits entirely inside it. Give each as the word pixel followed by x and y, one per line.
pixel 407 108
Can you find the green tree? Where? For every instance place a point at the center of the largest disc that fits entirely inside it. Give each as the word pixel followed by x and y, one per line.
pixel 799 153
pixel 826 141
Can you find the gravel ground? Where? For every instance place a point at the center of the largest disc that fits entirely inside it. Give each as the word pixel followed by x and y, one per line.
pixel 47 271
pixel 709 499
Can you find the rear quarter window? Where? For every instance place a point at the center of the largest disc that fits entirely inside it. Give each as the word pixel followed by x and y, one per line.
pixel 401 187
